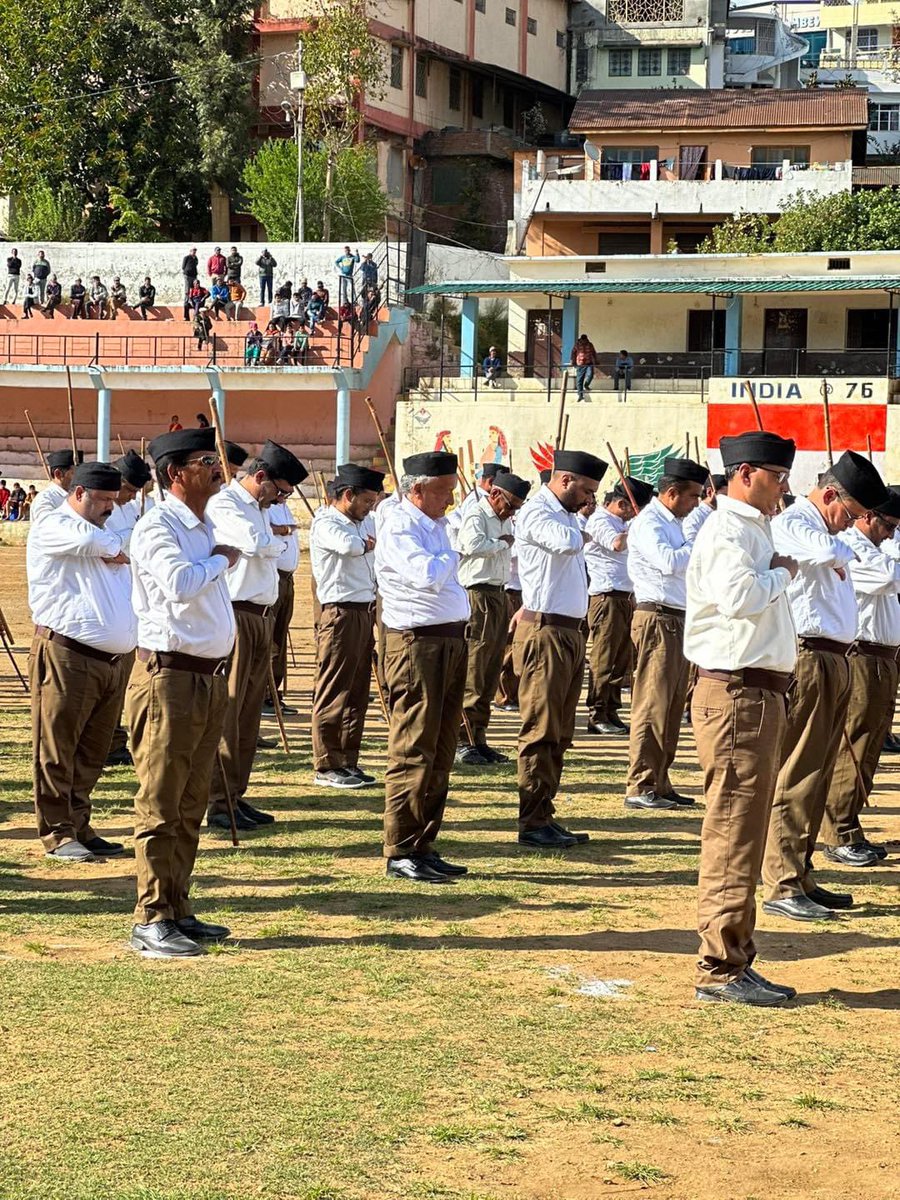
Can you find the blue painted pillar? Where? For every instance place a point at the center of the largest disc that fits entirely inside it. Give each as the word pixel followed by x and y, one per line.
pixel 104 405
pixel 733 309
pixel 570 319
pixel 468 338
pixel 342 427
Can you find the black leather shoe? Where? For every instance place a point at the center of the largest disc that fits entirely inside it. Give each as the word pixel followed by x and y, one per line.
pixel 617 721
pixel 492 755
pixel 798 908
pixel 99 845
pixel 547 837
pixel 266 744
pixel 580 838
pixel 877 849
pixel 755 977
pixel 851 856
pixel 119 758
pixel 891 744
pixel 649 800
pixel 416 869
pixel 820 895
pixel 678 800
pixel 220 821
pixel 606 728
pixel 202 931
pixel 743 991
pixel 441 865
pixel 163 939
pixel 253 814
pixel 471 756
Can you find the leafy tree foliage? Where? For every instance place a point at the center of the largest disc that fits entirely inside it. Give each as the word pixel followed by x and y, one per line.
pixel 865 220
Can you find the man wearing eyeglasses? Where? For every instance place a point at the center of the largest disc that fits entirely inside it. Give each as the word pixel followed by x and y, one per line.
pixel 826 616
pixel 873 685
pixel 240 517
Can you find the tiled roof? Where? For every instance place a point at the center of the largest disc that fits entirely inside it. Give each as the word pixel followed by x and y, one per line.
pixel 722 108
pixel 695 286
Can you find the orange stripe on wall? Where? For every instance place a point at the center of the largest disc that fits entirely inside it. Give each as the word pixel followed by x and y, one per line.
pixel 805 423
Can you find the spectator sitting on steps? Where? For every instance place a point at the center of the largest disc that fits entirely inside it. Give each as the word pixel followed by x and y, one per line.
pixel 315 310
pixel 492 366
pixel 624 365
pixel 252 345
pixel 236 295
pixel 54 296
pixel 146 297
pixel 219 296
pixel 78 295
pixel 117 296
pixel 98 306
pixel 322 290
pixel 31 297
pixel 195 299
pixel 281 310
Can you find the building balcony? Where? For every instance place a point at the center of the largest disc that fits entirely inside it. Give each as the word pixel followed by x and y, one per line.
pixel 885 60
pixel 647 35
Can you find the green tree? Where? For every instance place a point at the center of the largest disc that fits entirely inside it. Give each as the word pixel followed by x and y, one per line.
pixel 848 221
pixel 52 214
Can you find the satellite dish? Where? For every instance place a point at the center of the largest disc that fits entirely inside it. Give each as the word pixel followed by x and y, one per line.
pixel 592 151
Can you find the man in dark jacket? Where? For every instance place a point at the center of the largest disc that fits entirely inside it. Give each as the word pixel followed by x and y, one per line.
pixel 13 273
pixel 267 265
pixel 233 263
pixel 189 267
pixel 41 270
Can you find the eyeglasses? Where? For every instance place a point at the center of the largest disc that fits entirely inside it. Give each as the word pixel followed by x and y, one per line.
pixel 280 491
pixel 780 476
pixel 889 524
pixel 851 516
pixel 205 460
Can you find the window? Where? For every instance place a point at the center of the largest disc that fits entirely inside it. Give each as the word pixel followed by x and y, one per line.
pixel 531 25
pixel 774 156
pixel 510 16
pixel 623 243
pixel 817 40
pixel 397 67
pixel 421 75
pixel 447 182
pixel 884 117
pixel 700 330
pixel 561 39
pixel 629 154
pixel 649 62
pixel 619 62
pixel 581 59
pixel 477 96
pixel 454 89
pixel 839 264
pixel 479 5
pixel 395 171
pixel 869 328
pixel 866 39
pixel 679 62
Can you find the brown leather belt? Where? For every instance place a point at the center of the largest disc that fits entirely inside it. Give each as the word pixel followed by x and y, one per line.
pixel 174 660
pixel 771 681
pixel 453 629
pixel 485 587
pixel 619 595
pixel 665 609
pixel 826 645
pixel 352 605
pixel 79 647
pixel 877 650
pixel 258 610
pixel 288 574
pixel 540 618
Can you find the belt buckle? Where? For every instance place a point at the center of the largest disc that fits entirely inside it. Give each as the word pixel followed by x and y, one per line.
pixel 115 658
pixel 221 666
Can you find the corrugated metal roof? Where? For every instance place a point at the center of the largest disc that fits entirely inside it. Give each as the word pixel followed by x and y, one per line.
pixel 721 108
pixel 560 287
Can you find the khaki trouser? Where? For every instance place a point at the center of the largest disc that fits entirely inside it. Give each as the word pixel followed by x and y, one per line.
pixel 120 733
pixel 739 732
pixel 380 645
pixel 658 692
pixel 247 680
pixel 549 661
pixel 873 686
pixel 609 620
pixel 344 641
pixel 487 643
pixel 426 680
pixel 176 721
pixel 75 704
pixel 508 687
pixel 816 714
pixel 281 622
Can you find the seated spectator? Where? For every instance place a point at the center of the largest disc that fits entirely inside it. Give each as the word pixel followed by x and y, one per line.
pixel 236 294
pixel 4 500
pixel 201 326
pixel 300 347
pixel 117 296
pixel 622 369
pixel 315 310
pixel 368 271
pixel 492 366
pixel 280 311
pixel 54 296
pixel 284 290
pixel 370 306
pixel 202 422
pixel 31 297
pixel 195 299
pixel 146 297
pixel 219 296
pixel 16 500
pixel 252 345
pixel 304 292
pixel 78 295
pixel 272 351
pixel 346 313
pixel 175 424
pixel 30 498
pixel 98 306
pixel 298 304
pixel 322 290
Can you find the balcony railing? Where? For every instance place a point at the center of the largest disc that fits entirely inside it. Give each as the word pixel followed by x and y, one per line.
pixel 579 167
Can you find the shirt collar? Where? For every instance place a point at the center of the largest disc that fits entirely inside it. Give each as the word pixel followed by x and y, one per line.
pixel 661 509
pixel 553 500
pixel 242 494
pixel 417 514
pixel 728 504
pixel 179 509
pixel 804 504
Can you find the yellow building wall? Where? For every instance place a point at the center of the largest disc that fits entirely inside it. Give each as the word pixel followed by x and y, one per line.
pixel 696 77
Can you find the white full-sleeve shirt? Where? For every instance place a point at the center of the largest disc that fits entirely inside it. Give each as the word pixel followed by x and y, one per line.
pixel 46 501
pixel 417 571
pixel 738 614
pixel 179 591
pixel 875 576
pixel 607 567
pixel 122 521
pixel 344 570
pixel 823 604
pixel 695 520
pixel 72 590
pixel 289 560
pixel 485 558
pixel 658 556
pixel 238 521
pixel 550 548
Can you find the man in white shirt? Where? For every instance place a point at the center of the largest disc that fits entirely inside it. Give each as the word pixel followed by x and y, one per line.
pixel 240 517
pixel 740 635
pixel 549 639
pixel 507 697
pixel 177 698
pixel 79 590
pixel 826 616
pixel 341 551
pixel 485 541
pixel 694 521
pixel 61 464
pixel 456 516
pixel 424 609
pixel 875 576
pixel 281 516
pixel 658 556
pixel 610 604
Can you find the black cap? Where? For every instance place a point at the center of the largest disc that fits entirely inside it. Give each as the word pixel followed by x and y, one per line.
pixel 489 470
pixel 641 491
pixel 860 479
pixel 62 460
pixel 98 475
pixel 685 469
pixel 282 464
pixel 438 462
pixel 580 463
pixel 133 469
pixel 544 475
pixel 182 441
pixel 351 475
pixel 235 454
pixel 891 506
pixel 718 482
pixel 757 447
pixel 512 484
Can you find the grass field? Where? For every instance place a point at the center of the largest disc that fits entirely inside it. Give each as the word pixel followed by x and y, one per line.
pixel 361 1037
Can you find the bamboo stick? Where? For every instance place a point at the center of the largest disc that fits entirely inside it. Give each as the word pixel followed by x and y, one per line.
pixel 622 478
pixel 37 444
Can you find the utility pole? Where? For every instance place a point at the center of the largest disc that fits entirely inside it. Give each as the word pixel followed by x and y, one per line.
pixel 298 85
